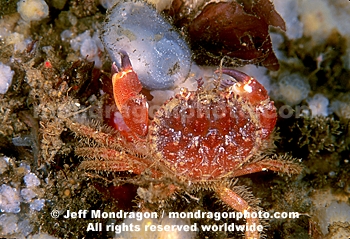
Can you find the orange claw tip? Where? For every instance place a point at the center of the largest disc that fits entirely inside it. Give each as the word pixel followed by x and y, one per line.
pixel 125 60
pixel 125 63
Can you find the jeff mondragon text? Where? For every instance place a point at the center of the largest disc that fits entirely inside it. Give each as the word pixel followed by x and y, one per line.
pixel 139 216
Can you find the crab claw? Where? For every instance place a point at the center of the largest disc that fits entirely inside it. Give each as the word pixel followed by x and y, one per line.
pixel 251 90
pixel 247 87
pixel 131 104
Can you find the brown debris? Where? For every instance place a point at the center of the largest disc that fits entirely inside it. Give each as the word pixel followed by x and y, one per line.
pixel 235 29
pixel 84 8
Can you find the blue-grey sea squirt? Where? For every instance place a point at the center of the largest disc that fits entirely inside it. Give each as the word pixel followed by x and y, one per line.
pixel 158 53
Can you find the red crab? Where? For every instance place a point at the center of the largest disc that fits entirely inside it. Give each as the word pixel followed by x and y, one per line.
pixel 201 138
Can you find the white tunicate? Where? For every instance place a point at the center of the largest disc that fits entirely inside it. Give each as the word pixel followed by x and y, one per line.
pixel 31 180
pixel 88 48
pixel 25 166
pixel 8 224
pixel 37 204
pixel 157 52
pixel 335 212
pixel 72 19
pixel 6 75
pixel 76 42
pixel 97 40
pixel 22 141
pixel 277 39
pixel 32 10
pixel 318 105
pixel 288 9
pixel 291 89
pixel 19 42
pixel 160 96
pixel 27 194
pixel 9 199
pixel 66 34
pixel 321 17
pixel 341 108
pixel 24 227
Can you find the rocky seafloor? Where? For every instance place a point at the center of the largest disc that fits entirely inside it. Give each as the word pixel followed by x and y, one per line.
pixel 54 69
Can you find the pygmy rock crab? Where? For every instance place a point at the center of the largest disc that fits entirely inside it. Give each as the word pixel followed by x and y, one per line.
pixel 197 140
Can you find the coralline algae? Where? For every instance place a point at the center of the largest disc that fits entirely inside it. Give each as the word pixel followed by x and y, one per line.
pixel 157 52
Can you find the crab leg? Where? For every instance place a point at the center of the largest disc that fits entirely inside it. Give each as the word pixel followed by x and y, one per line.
pixel 280 166
pixel 131 104
pixel 95 133
pixel 250 89
pixel 236 202
pixel 114 161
